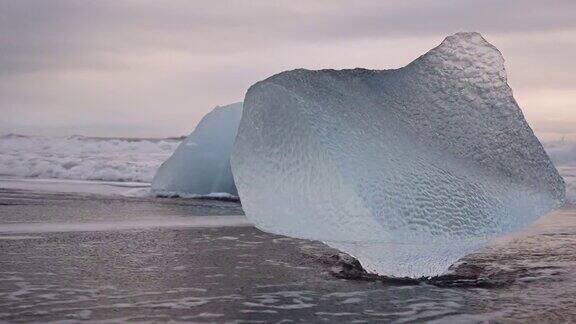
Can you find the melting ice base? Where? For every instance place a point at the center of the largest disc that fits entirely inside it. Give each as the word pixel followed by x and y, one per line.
pixel 407 169
pixel 201 163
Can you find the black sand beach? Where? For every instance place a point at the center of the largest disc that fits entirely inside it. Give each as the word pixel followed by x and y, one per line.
pixel 78 257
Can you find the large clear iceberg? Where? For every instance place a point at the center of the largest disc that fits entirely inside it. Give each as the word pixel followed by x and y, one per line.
pixel 408 170
pixel 201 163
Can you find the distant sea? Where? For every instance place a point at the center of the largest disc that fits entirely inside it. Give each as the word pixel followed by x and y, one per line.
pixel 137 159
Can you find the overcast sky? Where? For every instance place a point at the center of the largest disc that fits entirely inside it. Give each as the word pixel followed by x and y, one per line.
pixel 154 68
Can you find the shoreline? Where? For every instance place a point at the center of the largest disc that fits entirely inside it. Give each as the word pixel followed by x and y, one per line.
pixel 162 265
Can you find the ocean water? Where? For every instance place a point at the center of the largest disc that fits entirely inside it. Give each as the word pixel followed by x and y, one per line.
pixel 137 159
pixel 563 154
pixel 83 158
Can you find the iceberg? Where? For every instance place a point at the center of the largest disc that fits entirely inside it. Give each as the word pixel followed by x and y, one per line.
pixel 407 170
pixel 200 166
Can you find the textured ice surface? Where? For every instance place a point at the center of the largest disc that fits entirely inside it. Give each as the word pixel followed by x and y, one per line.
pixel 201 164
pixel 407 169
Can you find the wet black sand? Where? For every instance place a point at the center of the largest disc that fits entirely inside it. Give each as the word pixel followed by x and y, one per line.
pixel 66 257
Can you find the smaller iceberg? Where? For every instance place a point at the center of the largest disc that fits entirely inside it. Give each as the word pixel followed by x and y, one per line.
pixel 200 166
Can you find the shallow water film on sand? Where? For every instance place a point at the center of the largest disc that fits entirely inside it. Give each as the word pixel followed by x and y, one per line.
pixel 72 257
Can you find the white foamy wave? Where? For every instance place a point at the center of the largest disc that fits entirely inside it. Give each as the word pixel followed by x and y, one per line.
pixel 83 158
pixel 570 179
pixel 563 154
pixel 178 194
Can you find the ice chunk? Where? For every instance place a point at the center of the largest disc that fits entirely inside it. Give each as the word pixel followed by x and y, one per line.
pixel 407 170
pixel 201 164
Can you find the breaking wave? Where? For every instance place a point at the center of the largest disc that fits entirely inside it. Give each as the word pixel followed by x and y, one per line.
pixel 83 158
pixel 563 154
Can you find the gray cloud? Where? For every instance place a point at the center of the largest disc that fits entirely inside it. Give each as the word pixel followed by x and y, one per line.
pixel 161 65
pixel 83 33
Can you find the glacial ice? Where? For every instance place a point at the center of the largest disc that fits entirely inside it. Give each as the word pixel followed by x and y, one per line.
pixel 201 163
pixel 408 170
